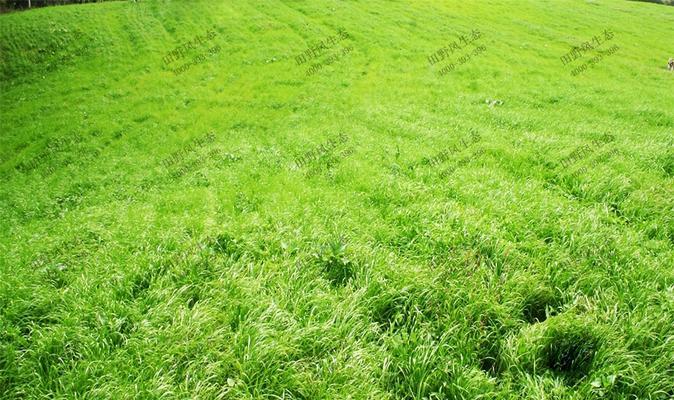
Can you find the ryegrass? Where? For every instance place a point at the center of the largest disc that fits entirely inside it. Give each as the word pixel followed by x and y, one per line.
pixel 336 239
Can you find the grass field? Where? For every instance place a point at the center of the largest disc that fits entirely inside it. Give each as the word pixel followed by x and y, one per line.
pixel 337 200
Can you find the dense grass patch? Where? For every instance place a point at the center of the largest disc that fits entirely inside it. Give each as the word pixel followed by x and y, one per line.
pixel 365 224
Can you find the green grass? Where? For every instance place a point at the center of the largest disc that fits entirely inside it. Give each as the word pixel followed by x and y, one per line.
pixel 392 261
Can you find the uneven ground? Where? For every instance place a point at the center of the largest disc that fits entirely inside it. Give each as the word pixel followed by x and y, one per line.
pixel 502 231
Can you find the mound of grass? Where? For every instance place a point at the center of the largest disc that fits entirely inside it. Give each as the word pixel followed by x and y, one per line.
pixel 536 304
pixel 569 349
pixel 535 298
pixel 335 263
pixel 563 347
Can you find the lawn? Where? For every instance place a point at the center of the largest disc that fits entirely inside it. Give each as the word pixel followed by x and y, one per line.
pixel 331 199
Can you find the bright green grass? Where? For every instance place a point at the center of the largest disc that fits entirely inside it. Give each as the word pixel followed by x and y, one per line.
pixel 355 276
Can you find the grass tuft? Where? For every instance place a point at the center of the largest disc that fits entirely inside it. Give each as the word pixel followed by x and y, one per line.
pixel 569 348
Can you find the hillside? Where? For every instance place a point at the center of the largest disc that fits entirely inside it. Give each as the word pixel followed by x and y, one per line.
pixel 337 200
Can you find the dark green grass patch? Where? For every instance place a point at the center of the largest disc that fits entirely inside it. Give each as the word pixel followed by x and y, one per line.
pixel 569 349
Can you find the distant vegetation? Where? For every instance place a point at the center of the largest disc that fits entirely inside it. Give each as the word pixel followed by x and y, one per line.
pixel 8 5
pixel 665 2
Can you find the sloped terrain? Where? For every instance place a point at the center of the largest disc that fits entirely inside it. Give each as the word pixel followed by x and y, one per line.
pixel 332 200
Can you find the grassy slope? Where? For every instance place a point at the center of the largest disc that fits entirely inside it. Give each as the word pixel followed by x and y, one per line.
pixel 449 280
